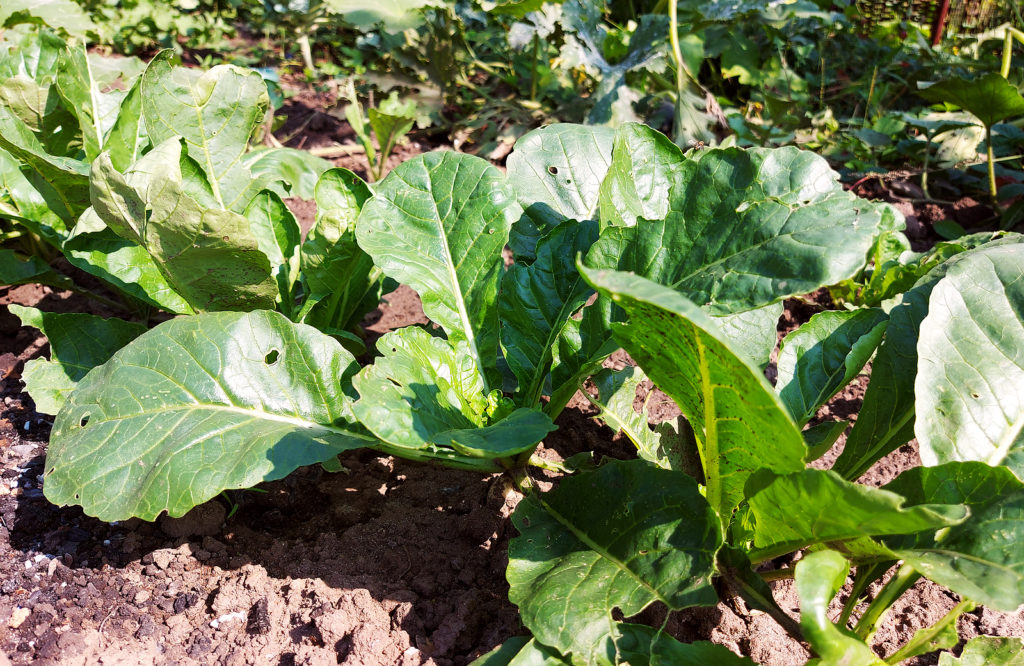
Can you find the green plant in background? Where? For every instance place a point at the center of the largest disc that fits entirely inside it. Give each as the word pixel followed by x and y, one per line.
pixel 990 98
pixel 389 122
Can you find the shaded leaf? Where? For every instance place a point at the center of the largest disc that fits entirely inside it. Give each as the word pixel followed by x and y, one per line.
pixel 621 537
pixel 987 651
pixel 989 97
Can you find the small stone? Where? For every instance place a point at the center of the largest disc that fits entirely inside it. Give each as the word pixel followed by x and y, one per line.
pixel 163 557
pixel 18 617
pixel 142 596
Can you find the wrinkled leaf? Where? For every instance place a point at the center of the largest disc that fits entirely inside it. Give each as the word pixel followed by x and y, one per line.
pixel 536 302
pixel 622 537
pixel 216 112
pixel 422 391
pixel 277 235
pixel 198 405
pixel 824 355
pixel 299 170
pixel 438 223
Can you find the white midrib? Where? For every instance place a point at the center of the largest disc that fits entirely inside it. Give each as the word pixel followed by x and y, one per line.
pixel 1006 441
pixel 460 303
pixel 211 173
pixel 712 475
pixel 250 413
pixel 93 92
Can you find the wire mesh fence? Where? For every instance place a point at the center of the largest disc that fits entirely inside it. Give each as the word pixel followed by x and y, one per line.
pixel 961 17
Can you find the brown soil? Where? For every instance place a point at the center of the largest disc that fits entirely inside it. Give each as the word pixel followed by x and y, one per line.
pixel 386 562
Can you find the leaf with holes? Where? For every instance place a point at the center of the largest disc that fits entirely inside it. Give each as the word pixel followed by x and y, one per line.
pixel 198 405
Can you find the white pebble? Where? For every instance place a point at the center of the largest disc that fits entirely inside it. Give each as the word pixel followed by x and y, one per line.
pixel 228 617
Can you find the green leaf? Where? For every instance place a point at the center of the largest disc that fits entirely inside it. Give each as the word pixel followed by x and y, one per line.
pixel 127 137
pixel 753 334
pixel 817 506
pixel 536 303
pixel 643 173
pixel 198 405
pixel 22 202
pixel 624 536
pixel 639 645
pixel 520 651
pixel 979 559
pixel 819 576
pixel 990 97
pixel 391 121
pixel 392 15
pixel 30 270
pixel 298 169
pixel 63 182
pixel 207 254
pixel 665 446
pixel 96 111
pixel 744 228
pixel 216 112
pixel 278 236
pixel 37 104
pixel 438 223
pixel 824 355
pixel 987 651
pixel 340 280
pixel 424 393
pixel 970 378
pixel 557 172
pixel 78 343
pixel 581 347
pixel 822 436
pixel 122 263
pixel 886 418
pixel 63 14
pixel 739 423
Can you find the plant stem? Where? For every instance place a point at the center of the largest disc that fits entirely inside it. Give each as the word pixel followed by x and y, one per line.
pixel 777 574
pixel 865 575
pixel 893 590
pixel 677 56
pixel 533 68
pixel 992 189
pixel 926 636
pixel 924 174
pixel 307 53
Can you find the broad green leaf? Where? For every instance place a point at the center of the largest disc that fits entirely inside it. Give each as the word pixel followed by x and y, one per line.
pixel 970 377
pixel 127 138
pixel 299 170
pixel 990 97
pixel 63 182
pixel 624 536
pixel 438 223
pixel 96 111
pixel 822 436
pixel 122 263
pixel 34 54
pixel 278 236
pixel 521 651
pixel 340 279
pixel 30 270
pixel 22 202
pixel 207 254
pixel 753 334
pixel 819 576
pixel 392 15
pixel 215 111
pixel 980 559
pixel 739 423
pixel 817 506
pixel 823 355
pixel 78 343
pixel 639 645
pixel 391 120
pixel 198 405
pixel 581 347
pixel 423 390
pixel 745 228
pixel 536 303
pixel 643 172
pixel 665 445
pixel 38 105
pixel 62 14
pixel 557 172
pixel 987 651
pixel 886 418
